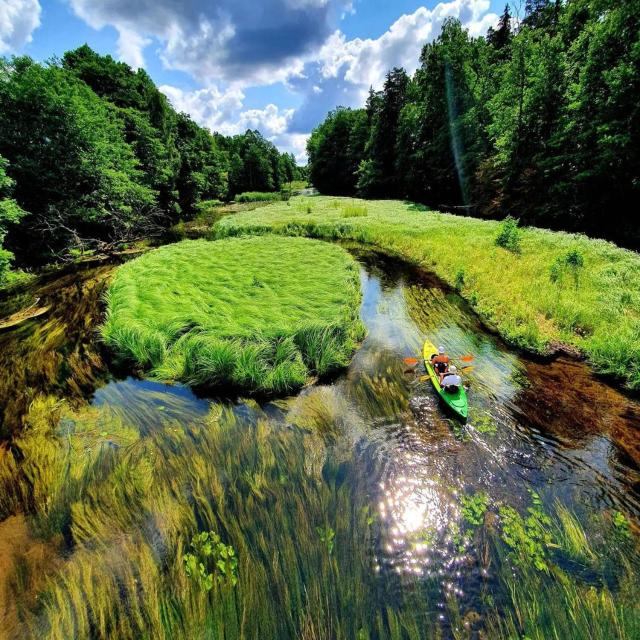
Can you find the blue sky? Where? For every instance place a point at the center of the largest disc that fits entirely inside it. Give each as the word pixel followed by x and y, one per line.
pixel 274 65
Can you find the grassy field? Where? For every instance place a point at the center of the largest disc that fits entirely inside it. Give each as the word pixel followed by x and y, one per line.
pixel 256 314
pixel 544 290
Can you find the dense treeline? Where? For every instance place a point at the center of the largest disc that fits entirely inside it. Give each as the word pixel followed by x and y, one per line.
pixel 92 154
pixel 540 119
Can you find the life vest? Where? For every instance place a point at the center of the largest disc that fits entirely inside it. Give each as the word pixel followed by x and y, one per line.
pixel 441 363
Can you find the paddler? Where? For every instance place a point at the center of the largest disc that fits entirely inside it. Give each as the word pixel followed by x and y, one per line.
pixel 440 362
pixel 451 381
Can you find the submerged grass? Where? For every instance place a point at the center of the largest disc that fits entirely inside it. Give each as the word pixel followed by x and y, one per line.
pixel 141 513
pixel 257 314
pixel 226 484
pixel 594 306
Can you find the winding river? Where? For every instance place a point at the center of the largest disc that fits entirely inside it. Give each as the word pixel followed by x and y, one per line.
pixel 368 458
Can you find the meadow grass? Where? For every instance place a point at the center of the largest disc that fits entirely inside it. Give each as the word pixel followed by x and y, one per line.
pixel 258 196
pixel 556 289
pixel 256 314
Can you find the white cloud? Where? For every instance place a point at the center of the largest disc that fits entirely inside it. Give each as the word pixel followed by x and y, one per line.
pixel 270 121
pixel 339 72
pixel 366 61
pixel 221 111
pixel 237 41
pixel 344 69
pixel 18 20
pixel 295 143
pixel 210 107
pixel 131 46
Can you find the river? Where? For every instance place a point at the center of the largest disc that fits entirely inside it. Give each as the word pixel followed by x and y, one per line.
pixel 347 505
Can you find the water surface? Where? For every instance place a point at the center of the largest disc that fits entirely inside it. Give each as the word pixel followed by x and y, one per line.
pixel 345 503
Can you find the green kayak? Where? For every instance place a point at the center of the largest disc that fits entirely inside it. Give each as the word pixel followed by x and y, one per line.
pixel 456 402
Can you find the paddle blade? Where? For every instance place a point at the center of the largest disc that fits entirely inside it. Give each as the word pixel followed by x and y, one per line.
pixel 467 358
pixel 467 369
pixel 412 362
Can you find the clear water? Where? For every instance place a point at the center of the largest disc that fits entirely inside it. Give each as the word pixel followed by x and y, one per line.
pixel 377 461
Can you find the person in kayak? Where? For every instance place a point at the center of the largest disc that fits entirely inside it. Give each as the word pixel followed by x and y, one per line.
pixel 451 381
pixel 440 362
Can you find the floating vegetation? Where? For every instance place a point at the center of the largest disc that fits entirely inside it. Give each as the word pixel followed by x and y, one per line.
pixel 621 524
pixel 211 560
pixel 484 423
pixel 528 536
pixel 474 507
pixel 328 537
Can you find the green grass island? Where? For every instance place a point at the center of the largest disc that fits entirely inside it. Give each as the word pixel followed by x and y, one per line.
pixel 260 315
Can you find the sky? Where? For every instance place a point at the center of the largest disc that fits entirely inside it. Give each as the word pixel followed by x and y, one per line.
pixel 274 65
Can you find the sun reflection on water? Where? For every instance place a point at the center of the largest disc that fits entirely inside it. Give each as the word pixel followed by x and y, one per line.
pixel 417 515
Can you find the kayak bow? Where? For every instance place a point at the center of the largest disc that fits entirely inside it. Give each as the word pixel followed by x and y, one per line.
pixel 455 402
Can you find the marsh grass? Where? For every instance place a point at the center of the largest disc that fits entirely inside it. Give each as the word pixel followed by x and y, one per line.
pixel 354 212
pixel 599 313
pixel 259 314
pixel 258 196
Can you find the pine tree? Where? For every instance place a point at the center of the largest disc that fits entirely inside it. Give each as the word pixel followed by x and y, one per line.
pixel 501 37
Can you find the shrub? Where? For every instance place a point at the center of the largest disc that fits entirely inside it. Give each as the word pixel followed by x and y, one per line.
pixel 571 263
pixel 205 205
pixel 258 196
pixel 509 235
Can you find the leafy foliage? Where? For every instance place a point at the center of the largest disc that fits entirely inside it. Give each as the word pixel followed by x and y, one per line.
pixel 537 120
pixel 99 157
pixel 509 235
pixel 211 560
pixel 10 213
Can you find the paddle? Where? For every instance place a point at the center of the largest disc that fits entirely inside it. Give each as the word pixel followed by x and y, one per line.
pixel 412 362
pixel 462 370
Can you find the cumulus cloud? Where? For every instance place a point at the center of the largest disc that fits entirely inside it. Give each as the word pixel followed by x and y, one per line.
pixel 338 71
pixel 222 111
pixel 345 69
pixel 238 41
pixel 18 20
pixel 212 108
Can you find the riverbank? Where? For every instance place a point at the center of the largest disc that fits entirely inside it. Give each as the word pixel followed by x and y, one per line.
pixel 552 291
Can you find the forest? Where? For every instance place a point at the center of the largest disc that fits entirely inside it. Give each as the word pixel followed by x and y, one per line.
pixel 538 120
pixel 93 155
